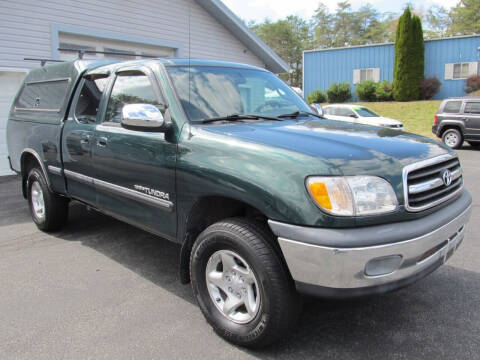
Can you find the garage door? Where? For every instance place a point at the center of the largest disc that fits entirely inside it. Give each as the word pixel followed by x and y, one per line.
pixel 9 84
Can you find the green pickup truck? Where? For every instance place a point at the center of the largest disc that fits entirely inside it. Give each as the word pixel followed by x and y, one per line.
pixel 267 199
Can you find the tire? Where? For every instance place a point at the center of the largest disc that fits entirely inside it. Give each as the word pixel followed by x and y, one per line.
pixel 453 138
pixel 474 144
pixel 271 290
pixel 49 211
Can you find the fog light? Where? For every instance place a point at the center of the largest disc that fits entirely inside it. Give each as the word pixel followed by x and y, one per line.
pixel 383 265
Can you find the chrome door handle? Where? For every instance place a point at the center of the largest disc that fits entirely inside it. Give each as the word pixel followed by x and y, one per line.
pixel 102 141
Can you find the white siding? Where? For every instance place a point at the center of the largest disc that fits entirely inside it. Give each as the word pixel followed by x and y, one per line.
pixel 25 27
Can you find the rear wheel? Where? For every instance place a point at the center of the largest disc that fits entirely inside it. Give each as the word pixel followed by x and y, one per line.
pixel 49 210
pixel 241 285
pixel 452 138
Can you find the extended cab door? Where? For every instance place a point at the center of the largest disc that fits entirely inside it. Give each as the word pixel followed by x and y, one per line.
pixel 135 170
pixel 78 137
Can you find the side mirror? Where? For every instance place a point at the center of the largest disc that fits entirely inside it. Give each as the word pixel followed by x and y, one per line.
pixel 317 108
pixel 143 117
pixel 354 116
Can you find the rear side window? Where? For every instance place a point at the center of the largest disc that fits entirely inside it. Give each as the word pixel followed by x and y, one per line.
pixel 88 102
pixel 344 112
pixel 452 107
pixel 472 108
pixel 43 95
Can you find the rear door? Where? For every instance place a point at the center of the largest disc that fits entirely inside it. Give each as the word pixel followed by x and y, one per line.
pixel 78 138
pixel 471 114
pixel 135 170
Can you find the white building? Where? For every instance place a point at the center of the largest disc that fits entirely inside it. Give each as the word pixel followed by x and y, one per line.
pixel 179 28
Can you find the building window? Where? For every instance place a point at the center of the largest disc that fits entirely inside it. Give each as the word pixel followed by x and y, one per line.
pixel 460 71
pixel 371 74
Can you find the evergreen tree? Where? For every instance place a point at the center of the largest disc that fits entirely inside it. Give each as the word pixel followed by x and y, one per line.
pixel 409 57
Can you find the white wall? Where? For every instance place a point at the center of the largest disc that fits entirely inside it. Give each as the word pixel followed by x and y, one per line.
pixel 25 27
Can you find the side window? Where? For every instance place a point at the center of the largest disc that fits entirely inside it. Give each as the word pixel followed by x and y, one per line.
pixel 452 107
pixel 88 102
pixel 43 95
pixel 129 88
pixel 328 111
pixel 472 108
pixel 344 112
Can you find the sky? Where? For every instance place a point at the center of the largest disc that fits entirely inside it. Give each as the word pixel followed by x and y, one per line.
pixel 258 10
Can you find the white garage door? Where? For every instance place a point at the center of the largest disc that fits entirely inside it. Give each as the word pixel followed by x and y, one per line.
pixel 9 83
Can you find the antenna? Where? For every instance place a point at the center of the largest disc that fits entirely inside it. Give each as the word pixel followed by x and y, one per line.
pixel 82 52
pixel 42 61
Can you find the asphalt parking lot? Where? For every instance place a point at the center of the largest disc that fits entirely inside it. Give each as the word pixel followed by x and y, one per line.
pixel 103 289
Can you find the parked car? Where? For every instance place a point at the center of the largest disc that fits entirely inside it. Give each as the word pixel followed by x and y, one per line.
pixel 458 119
pixel 359 115
pixel 266 199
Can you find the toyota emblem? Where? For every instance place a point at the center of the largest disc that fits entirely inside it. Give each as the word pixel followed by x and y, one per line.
pixel 447 177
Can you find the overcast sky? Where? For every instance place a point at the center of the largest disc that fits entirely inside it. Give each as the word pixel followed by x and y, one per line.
pixel 258 10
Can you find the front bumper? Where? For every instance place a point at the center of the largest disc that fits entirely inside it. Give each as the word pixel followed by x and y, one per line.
pixel 321 264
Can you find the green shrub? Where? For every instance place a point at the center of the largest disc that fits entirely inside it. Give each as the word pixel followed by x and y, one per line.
pixel 317 96
pixel 366 90
pixel 384 91
pixel 473 84
pixel 339 92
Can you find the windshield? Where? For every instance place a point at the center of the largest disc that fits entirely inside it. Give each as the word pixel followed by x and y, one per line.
pixel 364 112
pixel 209 92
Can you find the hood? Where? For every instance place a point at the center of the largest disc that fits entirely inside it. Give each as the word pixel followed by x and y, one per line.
pixel 336 142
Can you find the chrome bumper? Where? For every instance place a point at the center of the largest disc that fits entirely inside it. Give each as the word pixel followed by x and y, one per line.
pixel 345 268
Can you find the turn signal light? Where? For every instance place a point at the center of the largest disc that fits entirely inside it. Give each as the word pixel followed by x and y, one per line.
pixel 320 194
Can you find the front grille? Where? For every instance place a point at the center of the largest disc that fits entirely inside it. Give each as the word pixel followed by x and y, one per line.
pixel 425 185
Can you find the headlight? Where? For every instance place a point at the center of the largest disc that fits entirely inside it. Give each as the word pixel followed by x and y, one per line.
pixel 352 195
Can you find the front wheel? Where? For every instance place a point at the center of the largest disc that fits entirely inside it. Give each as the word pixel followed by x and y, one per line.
pixel 453 138
pixel 241 284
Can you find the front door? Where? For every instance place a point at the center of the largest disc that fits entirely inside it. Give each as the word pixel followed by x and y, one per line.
pixel 135 170
pixel 472 120
pixel 78 137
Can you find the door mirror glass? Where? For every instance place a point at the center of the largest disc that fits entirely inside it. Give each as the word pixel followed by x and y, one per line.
pixel 354 116
pixel 142 117
pixel 317 108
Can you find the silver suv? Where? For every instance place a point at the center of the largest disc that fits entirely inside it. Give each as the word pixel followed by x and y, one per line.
pixel 458 119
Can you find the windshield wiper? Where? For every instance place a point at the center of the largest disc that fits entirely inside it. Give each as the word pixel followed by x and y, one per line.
pixel 296 114
pixel 236 117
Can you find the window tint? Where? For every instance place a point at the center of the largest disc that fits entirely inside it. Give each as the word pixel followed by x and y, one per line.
pixel 452 107
pixel 89 99
pixel 45 95
pixel 472 107
pixel 134 88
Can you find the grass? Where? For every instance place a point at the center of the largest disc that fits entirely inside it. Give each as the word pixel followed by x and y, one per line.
pixel 416 116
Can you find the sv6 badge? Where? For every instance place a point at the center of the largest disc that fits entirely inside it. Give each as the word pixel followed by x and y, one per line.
pixel 152 192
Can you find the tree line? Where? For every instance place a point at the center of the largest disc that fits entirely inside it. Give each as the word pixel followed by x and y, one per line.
pixel 345 26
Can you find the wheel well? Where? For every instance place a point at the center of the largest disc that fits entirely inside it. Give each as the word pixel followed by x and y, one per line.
pixel 27 162
pixel 206 212
pixel 446 127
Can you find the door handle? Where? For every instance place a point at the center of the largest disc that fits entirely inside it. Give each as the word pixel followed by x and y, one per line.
pixel 85 140
pixel 102 141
